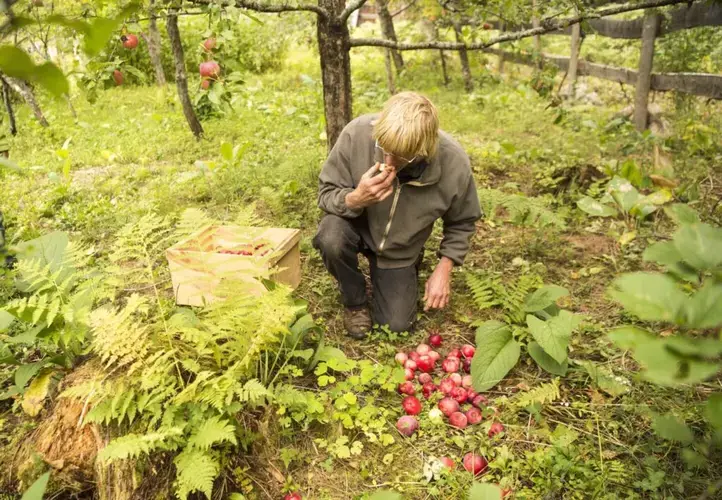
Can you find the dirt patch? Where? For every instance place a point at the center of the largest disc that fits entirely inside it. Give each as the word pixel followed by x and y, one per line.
pixel 591 244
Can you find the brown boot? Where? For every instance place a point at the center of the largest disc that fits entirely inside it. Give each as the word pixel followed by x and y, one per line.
pixel 357 322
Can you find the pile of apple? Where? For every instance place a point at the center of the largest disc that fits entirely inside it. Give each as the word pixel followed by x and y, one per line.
pixel 461 404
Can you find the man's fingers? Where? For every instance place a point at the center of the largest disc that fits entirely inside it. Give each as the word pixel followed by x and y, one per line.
pixel 385 194
pixel 370 172
pixel 390 176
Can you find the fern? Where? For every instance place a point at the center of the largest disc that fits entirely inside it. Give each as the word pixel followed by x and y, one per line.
pixel 544 394
pixel 196 472
pixel 213 430
pixel 520 210
pixel 135 445
pixel 489 291
pixel 484 289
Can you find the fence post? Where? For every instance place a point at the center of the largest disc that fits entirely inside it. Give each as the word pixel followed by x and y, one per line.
pixel 574 59
pixel 650 27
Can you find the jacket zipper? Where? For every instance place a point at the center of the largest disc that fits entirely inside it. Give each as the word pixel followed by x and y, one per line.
pixel 391 216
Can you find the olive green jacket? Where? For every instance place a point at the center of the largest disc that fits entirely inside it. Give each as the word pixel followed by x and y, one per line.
pixel 399 226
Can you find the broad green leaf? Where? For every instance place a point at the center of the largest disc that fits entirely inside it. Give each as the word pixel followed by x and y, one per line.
pixel 605 379
pixel 649 296
pixel 596 208
pixel 623 193
pixel 99 30
pixel 386 495
pixel 335 358
pixel 713 410
pixel 704 308
pixel 665 253
pixel 695 347
pixel 671 428
pixel 545 361
pixel 6 319
pixel 15 62
pixel 553 335
pixel 227 151
pixel 34 396
pixel 484 491
pixel 37 489
pixel 25 372
pixel 51 78
pixel 658 197
pixel 681 213
pixel 496 354
pixel 700 245
pixel 543 297
pixel 49 249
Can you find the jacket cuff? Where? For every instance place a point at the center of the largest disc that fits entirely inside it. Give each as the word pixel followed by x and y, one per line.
pixel 344 209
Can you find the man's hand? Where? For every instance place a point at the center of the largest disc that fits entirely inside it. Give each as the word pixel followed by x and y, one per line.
pixel 372 188
pixel 438 286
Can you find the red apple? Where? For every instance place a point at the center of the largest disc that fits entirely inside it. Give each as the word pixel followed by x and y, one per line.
pixel 468 351
pixel 450 365
pixel 407 425
pixel 293 496
pixel 495 429
pixel 486 26
pixel 446 386
pixel 435 340
pixel 476 464
pixel 466 365
pixel 412 406
pixel 414 355
pixel 425 363
pixel 129 41
pixel 454 353
pixel 435 356
pixel 205 84
pixel 473 416
pixel 466 381
pixel 118 77
pixel 210 69
pixel 448 406
pixel 424 378
pixel 470 395
pixel 428 389
pixel 448 463
pixel 456 379
pixel 401 358
pixel 409 374
pixel 458 420
pixel 459 394
pixel 407 388
pixel 480 401
pixel 209 44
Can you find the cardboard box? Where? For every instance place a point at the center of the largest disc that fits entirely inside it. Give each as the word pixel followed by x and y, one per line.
pixel 199 263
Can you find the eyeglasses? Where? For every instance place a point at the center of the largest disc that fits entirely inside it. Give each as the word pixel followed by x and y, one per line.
pixel 386 153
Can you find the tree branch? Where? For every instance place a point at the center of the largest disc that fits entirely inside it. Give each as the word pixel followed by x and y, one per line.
pixel 355 5
pixel 263 7
pixel 410 4
pixel 546 25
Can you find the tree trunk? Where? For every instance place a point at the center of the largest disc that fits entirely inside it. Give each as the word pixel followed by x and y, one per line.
pixel 181 79
pixel 26 91
pixel 574 60
pixel 537 39
pixel 464 58
pixel 388 31
pixel 500 65
pixel 389 72
pixel 152 39
pixel 333 48
pixel 9 107
pixel 442 56
pixel 644 77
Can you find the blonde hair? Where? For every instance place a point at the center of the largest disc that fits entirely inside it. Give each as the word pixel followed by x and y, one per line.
pixel 408 126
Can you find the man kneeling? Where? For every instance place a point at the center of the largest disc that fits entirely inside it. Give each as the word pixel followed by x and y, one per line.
pixel 388 178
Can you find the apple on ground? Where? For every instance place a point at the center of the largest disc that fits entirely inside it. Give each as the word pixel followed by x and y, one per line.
pixel 407 425
pixel 459 394
pixel 423 349
pixel 435 340
pixel 293 496
pixel 446 386
pixel 473 416
pixel 407 388
pixel 476 464
pixel 495 429
pixel 401 358
pixel 468 351
pixel 412 406
pixel 458 420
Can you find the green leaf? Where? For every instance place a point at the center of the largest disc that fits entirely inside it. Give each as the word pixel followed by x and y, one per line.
pixel 15 62
pixel 37 489
pixel 335 358
pixel 213 430
pixel 484 491
pixel 543 297
pixel 6 319
pixel 196 471
pixel 386 495
pixel 25 372
pixel 682 214
pixel 99 30
pixel 649 296
pixel 49 249
pixel 605 379
pixel 496 354
pixel 700 245
pixel 51 78
pixel 595 208
pixel 665 253
pixel 713 410
pixel 34 396
pixel 553 335
pixel 623 193
pixel 704 308
pixel 671 428
pixel 545 361
pixel 227 151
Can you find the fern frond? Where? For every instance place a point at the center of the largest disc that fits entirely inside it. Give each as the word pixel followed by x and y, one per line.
pixel 211 431
pixel 192 220
pixel 119 338
pixel 253 392
pixel 135 445
pixel 484 288
pixel 520 210
pixel 196 472
pixel 545 393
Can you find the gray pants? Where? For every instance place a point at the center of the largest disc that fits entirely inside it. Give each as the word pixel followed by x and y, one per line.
pixel 394 291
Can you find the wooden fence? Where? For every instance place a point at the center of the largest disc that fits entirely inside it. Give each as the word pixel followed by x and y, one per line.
pixel 647 28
